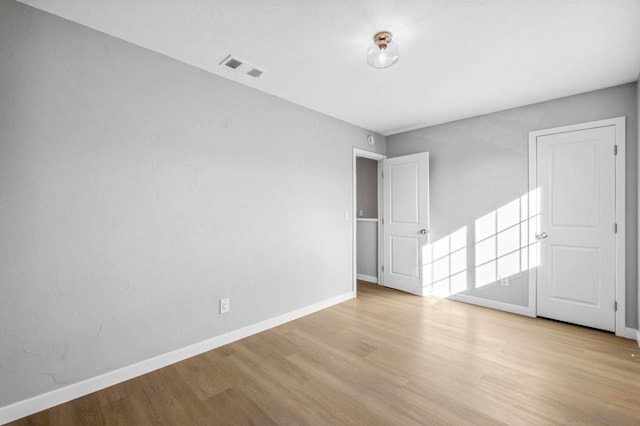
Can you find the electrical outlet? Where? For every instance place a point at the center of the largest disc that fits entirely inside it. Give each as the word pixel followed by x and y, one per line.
pixel 361 213
pixel 224 305
pixel 504 282
pixel 346 215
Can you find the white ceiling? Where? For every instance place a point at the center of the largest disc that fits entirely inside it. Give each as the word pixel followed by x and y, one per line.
pixel 457 58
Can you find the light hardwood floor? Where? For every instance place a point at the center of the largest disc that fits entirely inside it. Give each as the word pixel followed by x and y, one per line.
pixel 385 358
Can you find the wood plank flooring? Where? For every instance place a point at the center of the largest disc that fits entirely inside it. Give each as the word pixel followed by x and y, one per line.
pixel 385 358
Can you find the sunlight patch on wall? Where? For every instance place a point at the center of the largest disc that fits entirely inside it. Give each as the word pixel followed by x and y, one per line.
pixel 444 264
pixel 505 240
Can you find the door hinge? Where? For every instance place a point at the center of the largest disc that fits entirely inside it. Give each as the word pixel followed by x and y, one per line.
pixel 615 150
pixel 383 220
pixel 615 228
pixel 615 306
pixel 382 268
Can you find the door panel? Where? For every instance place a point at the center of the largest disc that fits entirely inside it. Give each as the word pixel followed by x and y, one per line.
pixel 405 213
pixel 576 272
pixel 405 256
pixel 404 179
pixel 576 180
pixel 575 175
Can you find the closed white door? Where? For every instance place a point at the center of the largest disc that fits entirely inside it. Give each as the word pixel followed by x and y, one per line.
pixel 405 220
pixel 576 230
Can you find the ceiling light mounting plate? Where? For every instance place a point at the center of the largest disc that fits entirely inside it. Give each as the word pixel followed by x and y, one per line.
pixel 382 39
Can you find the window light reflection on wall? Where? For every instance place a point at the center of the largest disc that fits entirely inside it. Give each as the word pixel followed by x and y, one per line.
pixel 505 242
pixel 505 245
pixel 444 269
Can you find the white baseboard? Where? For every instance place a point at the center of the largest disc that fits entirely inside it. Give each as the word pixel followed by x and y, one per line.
pixel 367 278
pixel 501 306
pixel 58 396
pixel 629 333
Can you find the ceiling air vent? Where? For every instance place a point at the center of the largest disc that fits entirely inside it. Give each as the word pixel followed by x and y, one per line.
pixel 231 62
pixel 254 72
pixel 238 64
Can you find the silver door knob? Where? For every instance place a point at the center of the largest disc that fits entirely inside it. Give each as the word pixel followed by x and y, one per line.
pixel 423 231
pixel 541 236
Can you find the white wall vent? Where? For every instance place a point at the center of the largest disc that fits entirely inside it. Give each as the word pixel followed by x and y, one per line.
pixel 237 64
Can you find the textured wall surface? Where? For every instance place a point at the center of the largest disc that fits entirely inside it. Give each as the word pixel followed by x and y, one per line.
pixel 136 191
pixel 480 164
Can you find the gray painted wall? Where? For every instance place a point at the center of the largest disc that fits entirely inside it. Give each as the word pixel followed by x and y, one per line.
pixel 481 163
pixel 367 187
pixel 136 191
pixel 367 244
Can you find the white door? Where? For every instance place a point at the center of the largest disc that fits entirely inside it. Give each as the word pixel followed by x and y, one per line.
pixel 405 220
pixel 576 179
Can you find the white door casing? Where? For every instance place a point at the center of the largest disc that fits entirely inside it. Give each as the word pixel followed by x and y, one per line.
pixel 405 220
pixel 578 278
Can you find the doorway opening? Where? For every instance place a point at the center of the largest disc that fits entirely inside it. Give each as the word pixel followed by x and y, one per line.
pixel 367 207
pixel 366 216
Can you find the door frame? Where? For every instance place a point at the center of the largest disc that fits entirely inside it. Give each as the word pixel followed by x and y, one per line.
pixel 357 152
pixel 620 236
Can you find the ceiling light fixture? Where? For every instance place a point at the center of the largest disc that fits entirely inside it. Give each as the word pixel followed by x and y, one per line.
pixel 383 52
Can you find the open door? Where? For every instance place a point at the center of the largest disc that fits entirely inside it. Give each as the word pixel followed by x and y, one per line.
pixel 405 220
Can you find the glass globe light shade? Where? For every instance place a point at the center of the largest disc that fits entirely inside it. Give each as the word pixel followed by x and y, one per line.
pixel 383 53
